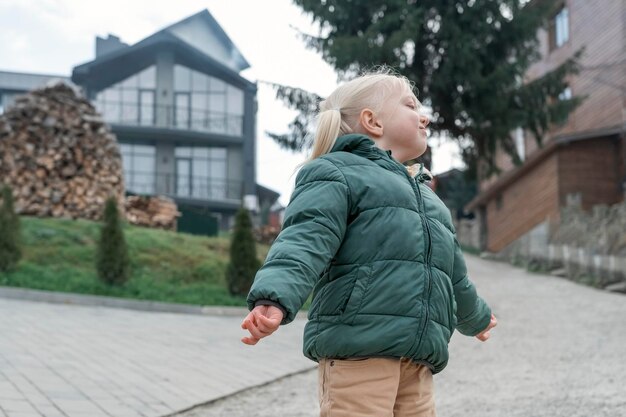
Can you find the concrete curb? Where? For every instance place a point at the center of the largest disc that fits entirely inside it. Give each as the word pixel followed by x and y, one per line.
pixel 123 303
pixel 115 302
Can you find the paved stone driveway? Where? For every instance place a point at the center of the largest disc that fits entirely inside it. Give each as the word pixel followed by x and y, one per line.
pixel 81 361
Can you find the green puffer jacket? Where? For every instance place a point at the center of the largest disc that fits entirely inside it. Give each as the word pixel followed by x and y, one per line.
pixel 379 249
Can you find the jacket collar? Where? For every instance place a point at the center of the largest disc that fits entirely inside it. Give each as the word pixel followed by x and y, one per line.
pixel 363 146
pixel 360 145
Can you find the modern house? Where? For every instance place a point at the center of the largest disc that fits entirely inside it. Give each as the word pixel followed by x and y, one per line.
pixel 582 161
pixel 183 115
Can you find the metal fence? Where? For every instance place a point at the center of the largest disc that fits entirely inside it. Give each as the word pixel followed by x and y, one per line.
pixel 183 186
pixel 170 116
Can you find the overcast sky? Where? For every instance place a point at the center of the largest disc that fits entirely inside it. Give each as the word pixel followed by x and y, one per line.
pixel 53 36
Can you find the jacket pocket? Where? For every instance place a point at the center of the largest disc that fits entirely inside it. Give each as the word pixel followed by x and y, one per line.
pixel 452 306
pixel 355 301
pixel 333 297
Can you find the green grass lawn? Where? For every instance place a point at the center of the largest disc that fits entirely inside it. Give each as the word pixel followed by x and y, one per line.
pixel 59 255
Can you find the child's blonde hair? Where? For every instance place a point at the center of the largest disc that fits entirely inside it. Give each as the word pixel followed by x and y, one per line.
pixel 339 113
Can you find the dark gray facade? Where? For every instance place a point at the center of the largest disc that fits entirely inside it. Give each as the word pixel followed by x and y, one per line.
pixel 182 114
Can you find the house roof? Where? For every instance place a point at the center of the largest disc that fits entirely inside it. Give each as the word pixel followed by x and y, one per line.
pixel 509 177
pixel 22 81
pixel 189 40
pixel 265 193
pixel 179 29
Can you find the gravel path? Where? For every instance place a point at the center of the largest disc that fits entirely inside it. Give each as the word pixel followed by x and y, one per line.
pixel 559 350
pixel 291 396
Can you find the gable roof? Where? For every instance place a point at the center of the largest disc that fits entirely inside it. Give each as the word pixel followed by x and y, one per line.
pixel 197 42
pixel 207 25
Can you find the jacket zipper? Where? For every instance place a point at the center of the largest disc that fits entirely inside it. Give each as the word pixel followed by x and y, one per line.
pixel 422 214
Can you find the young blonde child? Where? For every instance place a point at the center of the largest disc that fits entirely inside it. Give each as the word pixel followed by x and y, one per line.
pixel 379 251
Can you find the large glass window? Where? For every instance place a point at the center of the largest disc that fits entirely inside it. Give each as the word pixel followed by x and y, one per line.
pixel 139 167
pixel 131 101
pixel 201 172
pixel 146 107
pixel 212 104
pixel 182 114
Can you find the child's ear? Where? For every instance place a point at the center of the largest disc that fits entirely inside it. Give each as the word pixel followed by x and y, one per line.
pixel 372 125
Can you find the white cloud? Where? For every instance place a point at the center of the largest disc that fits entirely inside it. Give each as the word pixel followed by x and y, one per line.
pixel 16 42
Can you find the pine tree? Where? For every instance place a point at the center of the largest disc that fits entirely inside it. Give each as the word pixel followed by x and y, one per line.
pixel 10 252
pixel 243 261
pixel 112 261
pixel 466 58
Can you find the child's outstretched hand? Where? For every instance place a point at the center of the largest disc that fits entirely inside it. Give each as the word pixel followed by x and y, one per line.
pixel 261 322
pixel 484 335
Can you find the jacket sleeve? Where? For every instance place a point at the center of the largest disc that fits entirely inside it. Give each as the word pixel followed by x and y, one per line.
pixel 472 313
pixel 313 229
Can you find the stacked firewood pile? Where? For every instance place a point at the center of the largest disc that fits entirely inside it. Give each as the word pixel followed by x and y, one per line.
pixel 58 155
pixel 61 160
pixel 160 212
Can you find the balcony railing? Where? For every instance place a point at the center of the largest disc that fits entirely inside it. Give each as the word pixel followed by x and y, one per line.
pixel 191 187
pixel 169 116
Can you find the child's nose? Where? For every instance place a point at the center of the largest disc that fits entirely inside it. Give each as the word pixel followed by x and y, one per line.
pixel 425 120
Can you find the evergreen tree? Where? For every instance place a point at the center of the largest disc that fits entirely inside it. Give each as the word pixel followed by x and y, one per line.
pixel 112 261
pixel 306 103
pixel 455 190
pixel 10 252
pixel 243 261
pixel 468 59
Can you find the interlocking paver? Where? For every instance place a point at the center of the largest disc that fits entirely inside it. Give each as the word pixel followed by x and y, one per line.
pixel 69 360
pixel 22 414
pixel 17 405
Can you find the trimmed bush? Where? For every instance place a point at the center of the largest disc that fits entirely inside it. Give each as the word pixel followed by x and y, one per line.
pixel 243 261
pixel 10 252
pixel 112 261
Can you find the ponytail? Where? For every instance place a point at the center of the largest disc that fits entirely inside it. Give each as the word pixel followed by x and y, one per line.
pixel 328 130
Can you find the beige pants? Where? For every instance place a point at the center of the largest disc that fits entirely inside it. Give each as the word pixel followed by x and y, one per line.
pixel 375 387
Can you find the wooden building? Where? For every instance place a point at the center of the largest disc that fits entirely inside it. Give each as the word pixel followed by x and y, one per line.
pixel 584 160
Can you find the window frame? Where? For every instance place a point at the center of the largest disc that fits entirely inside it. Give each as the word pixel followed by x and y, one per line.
pixel 196 181
pixel 559 28
pixel 129 159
